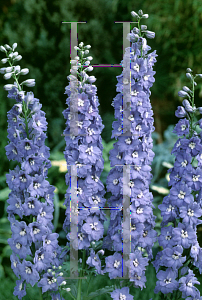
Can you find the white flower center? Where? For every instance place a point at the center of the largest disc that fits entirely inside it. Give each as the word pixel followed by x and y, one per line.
pixel 122 297
pixel 138 127
pixel 139 210
pixel 18 246
pixel 184 234
pixel 90 131
pixel 17 205
pixel 146 77
pixel 50 281
pixel 43 213
pixel 181 195
pixel 41 257
pixel 145 233
pixel 133 227
pixel 89 150
pixel 48 242
pixel 23 232
pixel 189 283
pixel 170 208
pixel 15 263
pixel 192 145
pixel 36 185
pixel 14 151
pixel 128 141
pixel 140 195
pixel 116 264
pixel 183 127
pixel 118 156
pixel 28 270
pixel 79 124
pixel 175 256
pixel 81 236
pixel 136 67
pixel 93 225
pixel 184 163
pixel 131 184
pixel 15 134
pixel 190 212
pixel 178 144
pixel 195 177
pixel 135 263
pixel 27 147
pixel 134 93
pixel 30 205
pixel 131 118
pixel 90 109
pixel 36 230
pixel 135 154
pixel 78 191
pixel 115 181
pixel 80 102
pixel 167 281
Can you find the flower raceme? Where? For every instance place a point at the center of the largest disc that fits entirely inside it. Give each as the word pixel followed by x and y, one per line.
pixel 30 208
pixel 182 207
pixel 84 149
pixel 133 148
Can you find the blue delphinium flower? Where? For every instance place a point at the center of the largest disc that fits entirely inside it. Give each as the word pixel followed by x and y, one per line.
pixel 85 151
pixel 30 208
pixel 135 149
pixel 183 207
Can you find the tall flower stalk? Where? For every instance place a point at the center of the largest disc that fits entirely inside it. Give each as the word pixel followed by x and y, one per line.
pixel 182 208
pixel 85 151
pixel 133 148
pixel 30 210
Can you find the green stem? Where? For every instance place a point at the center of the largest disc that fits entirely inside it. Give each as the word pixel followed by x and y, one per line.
pixel 140 33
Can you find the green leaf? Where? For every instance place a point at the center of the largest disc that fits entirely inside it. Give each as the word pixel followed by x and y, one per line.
pixel 4 194
pixel 99 292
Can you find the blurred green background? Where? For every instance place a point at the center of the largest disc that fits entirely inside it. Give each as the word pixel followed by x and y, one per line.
pixel 44 43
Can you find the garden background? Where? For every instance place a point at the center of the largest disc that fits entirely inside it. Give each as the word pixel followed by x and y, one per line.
pixel 44 43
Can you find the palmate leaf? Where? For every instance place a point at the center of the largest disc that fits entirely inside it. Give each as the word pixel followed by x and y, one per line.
pixel 99 292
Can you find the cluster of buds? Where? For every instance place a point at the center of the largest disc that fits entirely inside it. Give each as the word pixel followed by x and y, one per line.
pixel 81 64
pixel 141 31
pixel 14 71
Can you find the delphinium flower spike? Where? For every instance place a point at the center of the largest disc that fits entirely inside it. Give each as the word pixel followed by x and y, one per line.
pixel 30 211
pixel 133 148
pixel 182 208
pixel 84 149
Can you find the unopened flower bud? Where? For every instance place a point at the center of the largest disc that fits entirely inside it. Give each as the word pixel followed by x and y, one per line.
pixel 145 16
pixel 29 82
pixel 199 75
pixel 150 34
pixel 49 270
pixel 182 94
pixel 143 27
pixel 7 76
pixel 87 63
pixel 91 79
pixel 17 58
pixel 134 14
pixel 15 54
pixel 2 49
pixel 14 46
pixel 81 44
pixel 63 283
pixel 187 105
pixel 53 273
pixel 3 70
pixel 76 48
pixel 188 70
pixel 4 60
pixel 180 112
pixel 9 69
pixel 82 52
pixel 60 274
pixel 186 89
pixel 90 68
pixel 189 76
pixel 60 267
pixel 200 109
pixel 24 71
pixel 7 47
pixel 140 12
pixel 11 55
pixel 88 46
pixel 86 51
pixel 8 87
pixel 89 58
